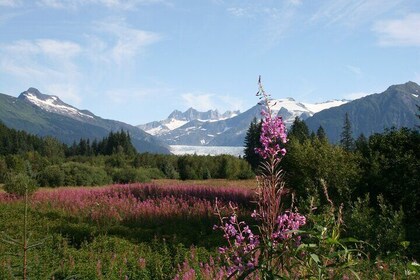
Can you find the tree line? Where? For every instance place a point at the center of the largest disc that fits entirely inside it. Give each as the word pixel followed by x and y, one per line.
pixel 112 159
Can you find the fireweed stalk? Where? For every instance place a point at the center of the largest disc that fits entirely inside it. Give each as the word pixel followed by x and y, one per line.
pixel 264 254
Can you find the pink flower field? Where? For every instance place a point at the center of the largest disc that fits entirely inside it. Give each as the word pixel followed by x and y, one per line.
pixel 135 202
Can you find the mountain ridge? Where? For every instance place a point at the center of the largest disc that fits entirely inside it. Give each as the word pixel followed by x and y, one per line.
pixel 395 107
pixel 47 115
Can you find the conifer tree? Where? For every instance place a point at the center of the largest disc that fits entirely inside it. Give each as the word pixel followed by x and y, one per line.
pixel 320 133
pixel 252 141
pixel 347 141
pixel 299 130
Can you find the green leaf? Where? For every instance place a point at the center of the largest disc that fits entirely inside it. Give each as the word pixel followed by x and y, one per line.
pixel 349 240
pixel 330 240
pixel 315 258
pixel 414 267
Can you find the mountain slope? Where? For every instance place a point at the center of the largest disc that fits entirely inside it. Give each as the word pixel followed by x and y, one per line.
pixel 44 115
pixel 395 107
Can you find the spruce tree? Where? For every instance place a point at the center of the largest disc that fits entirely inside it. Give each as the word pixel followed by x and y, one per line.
pixel 320 133
pixel 347 141
pixel 252 141
pixel 299 130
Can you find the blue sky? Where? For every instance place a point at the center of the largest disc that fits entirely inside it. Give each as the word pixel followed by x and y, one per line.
pixel 137 61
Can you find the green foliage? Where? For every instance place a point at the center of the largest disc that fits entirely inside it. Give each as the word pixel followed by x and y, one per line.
pixel 382 228
pixel 52 176
pixel 324 252
pixel 20 142
pixel 391 232
pixel 193 167
pixel 114 143
pixel 73 174
pixel 308 162
pixel 391 166
pixel 3 169
pixel 116 161
pixel 18 183
pixel 16 163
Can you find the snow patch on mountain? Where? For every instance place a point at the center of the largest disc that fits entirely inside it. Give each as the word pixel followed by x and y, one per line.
pixel 51 103
pixel 318 107
pixel 174 123
pixel 288 103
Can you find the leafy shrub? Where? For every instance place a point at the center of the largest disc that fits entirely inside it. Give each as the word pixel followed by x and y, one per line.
pixel 169 170
pixel 81 174
pixel 383 228
pixel 151 173
pixel 129 175
pixel 51 176
pixel 17 183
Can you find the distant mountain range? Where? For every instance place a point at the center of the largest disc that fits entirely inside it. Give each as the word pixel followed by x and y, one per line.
pixel 43 115
pixel 213 129
pixel 47 115
pixel 177 119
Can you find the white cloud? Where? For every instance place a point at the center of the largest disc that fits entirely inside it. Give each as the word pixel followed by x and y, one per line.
pixel 278 22
pixel 209 101
pixel 239 12
pixel 27 72
pixel 57 4
pixel 125 42
pixel 399 32
pixel 296 2
pixel 45 63
pixel 10 3
pixel 231 103
pixel 69 93
pixel 353 13
pixel 58 49
pixel 49 47
pixel 354 69
pixel 200 102
pixel 111 4
pixel 275 20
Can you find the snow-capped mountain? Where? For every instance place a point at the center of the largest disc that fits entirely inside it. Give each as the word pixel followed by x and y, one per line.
pixel 177 119
pixel 213 129
pixel 47 115
pixel 53 104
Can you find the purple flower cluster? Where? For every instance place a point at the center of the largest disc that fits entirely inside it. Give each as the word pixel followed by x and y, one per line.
pixel 241 254
pixel 287 225
pixel 273 132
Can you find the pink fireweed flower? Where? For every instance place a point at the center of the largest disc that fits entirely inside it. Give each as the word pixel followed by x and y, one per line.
pixel 240 255
pixel 273 132
pixel 286 226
